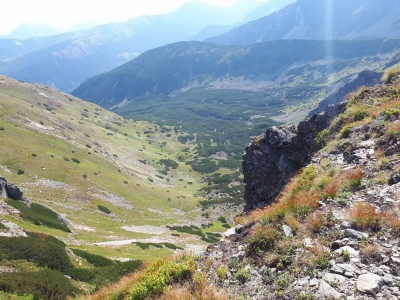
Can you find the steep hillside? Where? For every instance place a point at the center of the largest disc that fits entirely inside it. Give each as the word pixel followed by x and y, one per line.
pixel 332 232
pixel 75 157
pixel 66 64
pixel 320 20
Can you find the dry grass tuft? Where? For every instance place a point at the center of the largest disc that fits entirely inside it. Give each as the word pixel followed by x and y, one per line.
pixel 292 222
pixel 315 221
pixel 393 128
pixel 331 190
pixel 370 253
pixel 351 178
pixel 364 216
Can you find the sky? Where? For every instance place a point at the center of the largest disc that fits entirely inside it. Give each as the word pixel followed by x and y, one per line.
pixel 63 15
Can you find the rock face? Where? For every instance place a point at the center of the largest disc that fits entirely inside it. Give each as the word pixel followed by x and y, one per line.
pixel 273 158
pixel 9 190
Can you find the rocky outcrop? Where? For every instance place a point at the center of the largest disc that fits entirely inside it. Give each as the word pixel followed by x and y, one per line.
pixel 9 190
pixel 273 158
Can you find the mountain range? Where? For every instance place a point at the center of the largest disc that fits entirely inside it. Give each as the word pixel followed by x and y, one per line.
pixel 27 30
pixel 66 60
pixel 320 20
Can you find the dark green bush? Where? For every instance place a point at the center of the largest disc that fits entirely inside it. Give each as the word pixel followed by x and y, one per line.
pixel 104 209
pixel 1 128
pixel 112 273
pixel 96 260
pixel 20 172
pixel 75 160
pixel 66 158
pixel 34 154
pixel 172 246
pixel 42 253
pixel 46 284
pixel 46 238
pixel 145 246
pixel 222 220
pixel 2 226
pixel 169 163
pixel 78 274
pixel 38 214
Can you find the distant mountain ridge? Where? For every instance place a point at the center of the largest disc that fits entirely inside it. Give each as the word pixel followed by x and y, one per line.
pixel 27 30
pixel 66 64
pixel 186 65
pixel 321 20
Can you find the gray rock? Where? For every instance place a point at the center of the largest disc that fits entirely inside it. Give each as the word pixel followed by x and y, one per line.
pixel 387 279
pixel 351 233
pixel 348 268
pixel 336 269
pixel 369 283
pixel 287 230
pixel 307 243
pixel 394 179
pixel 352 251
pixel 239 228
pixel 328 292
pixel 377 271
pixel 3 184
pixel 330 277
pixel 345 225
pixel 229 232
pixel 313 282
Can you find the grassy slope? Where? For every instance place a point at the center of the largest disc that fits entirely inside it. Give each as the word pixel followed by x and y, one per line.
pixel 113 169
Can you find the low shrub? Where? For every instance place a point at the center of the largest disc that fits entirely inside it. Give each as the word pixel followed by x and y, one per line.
pixel 104 209
pixel 77 161
pixel 44 254
pixel 96 260
pixel 2 226
pixel 162 274
pixel 20 172
pixel 39 215
pixel 262 240
pixel 112 273
pixel 46 238
pixel 46 284
pixel 78 274
pixel 222 220
pixel 172 246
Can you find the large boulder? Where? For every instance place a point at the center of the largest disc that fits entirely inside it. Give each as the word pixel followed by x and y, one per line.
pixel 273 158
pixel 9 190
pixel 3 184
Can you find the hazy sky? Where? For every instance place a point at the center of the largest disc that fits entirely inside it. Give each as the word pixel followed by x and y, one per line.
pixel 62 15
